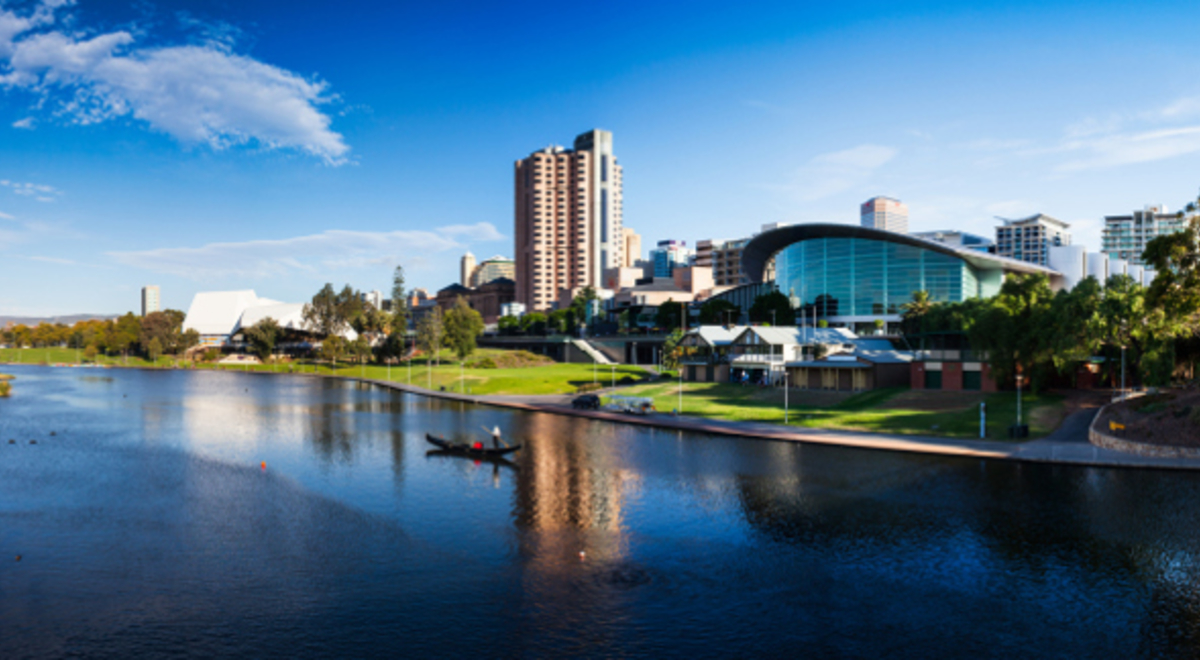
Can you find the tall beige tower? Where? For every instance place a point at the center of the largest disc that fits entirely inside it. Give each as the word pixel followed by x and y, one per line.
pixel 466 267
pixel 885 213
pixel 567 218
pixel 633 248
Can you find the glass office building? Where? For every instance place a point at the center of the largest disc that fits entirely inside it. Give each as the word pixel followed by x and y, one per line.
pixel 849 274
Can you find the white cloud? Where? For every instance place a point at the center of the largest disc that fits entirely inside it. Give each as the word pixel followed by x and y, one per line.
pixel 333 249
pixel 38 191
pixel 1130 148
pixel 836 172
pixel 53 260
pixel 26 123
pixel 5 216
pixel 198 94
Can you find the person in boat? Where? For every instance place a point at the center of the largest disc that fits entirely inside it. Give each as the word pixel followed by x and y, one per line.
pixel 496 437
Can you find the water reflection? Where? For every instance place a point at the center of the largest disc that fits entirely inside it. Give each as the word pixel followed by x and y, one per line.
pixel 599 539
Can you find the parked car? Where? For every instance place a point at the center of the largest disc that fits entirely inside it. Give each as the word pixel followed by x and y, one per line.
pixel 586 402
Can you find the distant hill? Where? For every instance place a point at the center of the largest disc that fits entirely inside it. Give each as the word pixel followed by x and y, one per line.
pixel 70 319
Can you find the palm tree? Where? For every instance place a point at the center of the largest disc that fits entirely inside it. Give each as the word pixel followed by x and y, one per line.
pixel 915 311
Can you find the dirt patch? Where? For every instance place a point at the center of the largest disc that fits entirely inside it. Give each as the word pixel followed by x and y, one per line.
pixel 935 401
pixel 510 360
pixel 1166 418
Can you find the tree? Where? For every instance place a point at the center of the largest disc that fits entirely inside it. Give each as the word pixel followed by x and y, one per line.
pixel 332 313
pixel 1126 320
pixel 774 308
pixel 463 325
pixel 332 348
pixel 558 322
pixel 430 333
pixel 623 321
pixel 719 312
pixel 90 352
pixel 508 325
pixel 360 349
pixel 154 349
pixel 262 337
pixel 581 307
pixel 1176 260
pixel 670 315
pixel 671 350
pixel 394 346
pixel 534 323
pixel 879 326
pixel 1015 327
pixel 123 333
pixel 399 301
pixel 913 313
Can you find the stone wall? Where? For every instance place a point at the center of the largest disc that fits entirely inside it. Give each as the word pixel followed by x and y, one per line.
pixel 1106 441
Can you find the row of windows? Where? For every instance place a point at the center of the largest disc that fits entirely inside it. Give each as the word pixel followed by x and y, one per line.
pixel 848 276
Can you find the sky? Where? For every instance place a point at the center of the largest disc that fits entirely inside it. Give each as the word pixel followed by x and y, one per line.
pixel 277 146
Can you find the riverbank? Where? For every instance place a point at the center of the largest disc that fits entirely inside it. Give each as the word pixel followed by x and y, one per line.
pixel 1067 449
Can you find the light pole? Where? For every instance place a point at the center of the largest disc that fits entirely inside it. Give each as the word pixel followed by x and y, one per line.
pixel 785 394
pixel 462 378
pixel 680 368
pixel 594 376
pixel 1122 372
pixel 614 375
pixel 982 419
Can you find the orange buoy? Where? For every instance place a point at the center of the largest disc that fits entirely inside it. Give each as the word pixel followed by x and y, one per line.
pixel 264 465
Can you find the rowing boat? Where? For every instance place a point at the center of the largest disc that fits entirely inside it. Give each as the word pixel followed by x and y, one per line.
pixel 466 449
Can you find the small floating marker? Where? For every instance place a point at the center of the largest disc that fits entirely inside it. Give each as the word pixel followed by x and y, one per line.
pixel 18 557
pixel 52 434
pixel 582 555
pixel 33 442
pixel 264 465
pixel 12 442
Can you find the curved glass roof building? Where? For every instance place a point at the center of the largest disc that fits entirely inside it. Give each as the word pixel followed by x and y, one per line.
pixel 849 274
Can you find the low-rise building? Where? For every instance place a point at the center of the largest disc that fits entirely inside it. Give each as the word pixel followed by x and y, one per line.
pixel 1125 236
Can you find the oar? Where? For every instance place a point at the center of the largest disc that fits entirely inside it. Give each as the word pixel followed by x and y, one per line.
pixel 489 432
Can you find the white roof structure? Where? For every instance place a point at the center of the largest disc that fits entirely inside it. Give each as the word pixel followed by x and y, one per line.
pixel 218 312
pixel 224 313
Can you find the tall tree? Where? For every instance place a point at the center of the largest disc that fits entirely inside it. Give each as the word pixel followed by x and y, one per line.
pixel 719 312
pixel 323 315
pixel 431 333
pixel 1176 261
pixel 399 301
pixel 774 308
pixel 463 326
pixel 262 337
pixel 670 315
pixel 913 313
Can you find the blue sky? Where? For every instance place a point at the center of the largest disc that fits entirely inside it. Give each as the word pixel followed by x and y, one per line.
pixel 278 146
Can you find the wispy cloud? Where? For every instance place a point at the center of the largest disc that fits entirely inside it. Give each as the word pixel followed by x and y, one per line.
pixel 5 216
pixel 836 172
pixel 197 93
pixel 26 123
pixel 333 249
pixel 38 191
pixel 1129 148
pixel 53 260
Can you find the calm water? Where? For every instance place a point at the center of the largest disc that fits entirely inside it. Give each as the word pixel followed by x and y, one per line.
pixel 147 527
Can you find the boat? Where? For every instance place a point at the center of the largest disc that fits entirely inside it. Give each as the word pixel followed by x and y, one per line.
pixel 464 449
pixel 477 458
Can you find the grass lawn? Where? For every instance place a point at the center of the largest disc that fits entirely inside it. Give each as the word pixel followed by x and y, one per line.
pixel 951 414
pixel 553 378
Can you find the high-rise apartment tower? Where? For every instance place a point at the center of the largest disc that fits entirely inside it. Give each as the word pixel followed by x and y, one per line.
pixel 1030 239
pixel 567 218
pixel 466 267
pixel 884 213
pixel 1125 236
pixel 151 299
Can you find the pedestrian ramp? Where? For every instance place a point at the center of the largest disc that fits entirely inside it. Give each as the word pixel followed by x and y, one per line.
pixel 597 355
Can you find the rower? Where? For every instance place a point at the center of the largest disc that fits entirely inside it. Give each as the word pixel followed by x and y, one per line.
pixel 496 437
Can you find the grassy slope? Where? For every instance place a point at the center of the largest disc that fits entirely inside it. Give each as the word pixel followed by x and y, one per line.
pixel 868 411
pixel 548 379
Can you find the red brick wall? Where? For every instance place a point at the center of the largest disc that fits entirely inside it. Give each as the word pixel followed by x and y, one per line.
pixel 918 375
pixel 988 383
pixel 952 376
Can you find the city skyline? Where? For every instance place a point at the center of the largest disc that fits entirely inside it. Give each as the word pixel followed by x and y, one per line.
pixel 353 158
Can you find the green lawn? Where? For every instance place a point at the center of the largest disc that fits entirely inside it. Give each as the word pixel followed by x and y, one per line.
pixel 950 414
pixel 545 379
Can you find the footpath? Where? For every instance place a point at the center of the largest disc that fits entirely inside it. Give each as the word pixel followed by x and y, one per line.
pixel 1066 446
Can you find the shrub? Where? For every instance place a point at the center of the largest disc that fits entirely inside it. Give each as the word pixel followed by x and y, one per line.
pixel 588 387
pixel 627 380
pixel 5 388
pixel 483 363
pixel 212 355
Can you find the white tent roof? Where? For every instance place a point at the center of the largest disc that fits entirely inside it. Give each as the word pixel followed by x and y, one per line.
pixel 226 312
pixel 217 312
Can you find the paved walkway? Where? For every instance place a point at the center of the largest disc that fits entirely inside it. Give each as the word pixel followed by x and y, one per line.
pixel 1068 445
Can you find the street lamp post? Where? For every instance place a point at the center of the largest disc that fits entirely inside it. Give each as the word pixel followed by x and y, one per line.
pixel 680 368
pixel 785 394
pixel 614 375
pixel 1122 372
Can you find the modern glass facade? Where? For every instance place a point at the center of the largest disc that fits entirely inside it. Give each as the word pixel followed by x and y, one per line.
pixel 871 278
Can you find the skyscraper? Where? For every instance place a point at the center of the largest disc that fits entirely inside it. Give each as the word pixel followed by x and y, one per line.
pixel 567 218
pixel 1125 236
pixel 1030 239
pixel 151 299
pixel 885 213
pixel 466 267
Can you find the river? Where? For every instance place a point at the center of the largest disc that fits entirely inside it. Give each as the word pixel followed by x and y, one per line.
pixel 148 526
